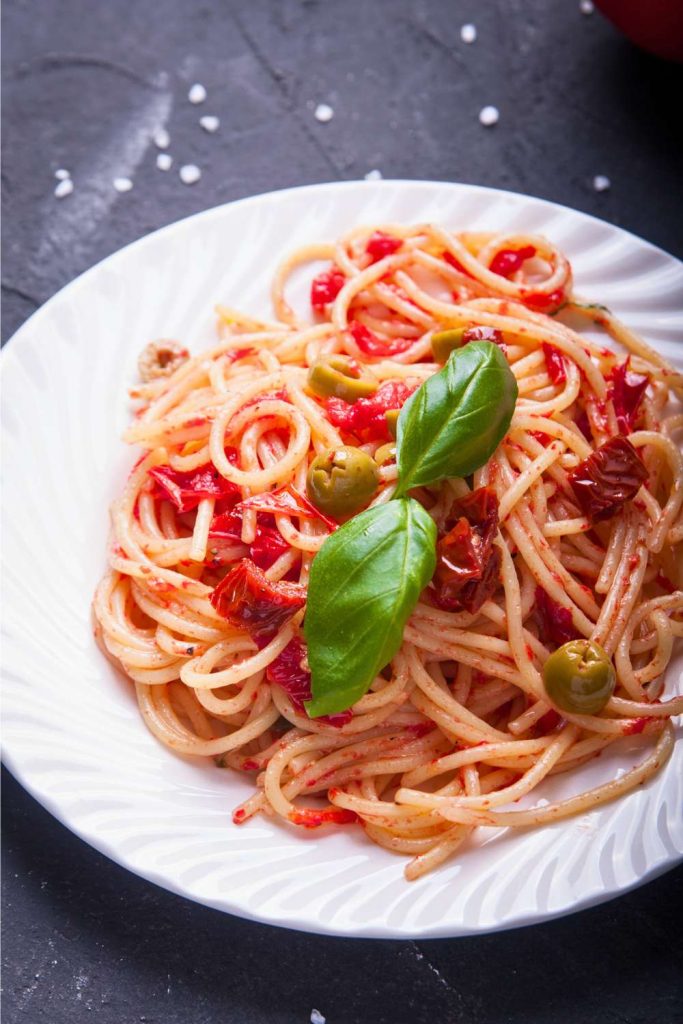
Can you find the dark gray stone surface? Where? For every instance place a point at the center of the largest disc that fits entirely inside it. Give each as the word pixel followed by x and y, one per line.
pixel 84 84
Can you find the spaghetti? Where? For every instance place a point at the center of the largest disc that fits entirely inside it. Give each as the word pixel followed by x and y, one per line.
pixel 459 726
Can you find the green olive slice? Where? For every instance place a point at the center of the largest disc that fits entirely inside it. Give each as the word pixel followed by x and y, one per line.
pixel 445 342
pixel 342 480
pixel 339 377
pixel 392 416
pixel 385 453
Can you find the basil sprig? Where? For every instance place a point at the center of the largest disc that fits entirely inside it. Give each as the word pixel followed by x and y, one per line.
pixel 368 575
pixel 364 583
pixel 453 424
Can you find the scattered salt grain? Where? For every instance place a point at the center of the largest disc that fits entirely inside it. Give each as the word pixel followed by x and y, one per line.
pixel 601 183
pixel 161 138
pixel 64 188
pixel 586 6
pixel 62 175
pixel 323 113
pixel 317 1017
pixel 373 175
pixel 197 93
pixel 489 116
pixel 122 184
pixel 189 174
pixel 164 161
pixel 210 123
pixel 468 33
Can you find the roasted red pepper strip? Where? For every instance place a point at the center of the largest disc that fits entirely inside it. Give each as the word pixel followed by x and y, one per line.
pixel 554 363
pixel 608 478
pixel 377 348
pixel 555 625
pixel 326 287
pixel 626 391
pixel 289 501
pixel 468 564
pixel 366 418
pixel 508 261
pixel 187 489
pixel 248 600
pixel 290 671
pixel 380 245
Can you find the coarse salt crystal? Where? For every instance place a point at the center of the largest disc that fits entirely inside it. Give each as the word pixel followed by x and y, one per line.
pixel 317 1017
pixel 164 161
pixel 189 174
pixel 586 6
pixel 468 33
pixel 122 184
pixel 61 174
pixel 210 123
pixel 64 188
pixel 601 183
pixel 373 175
pixel 161 138
pixel 323 113
pixel 197 93
pixel 489 116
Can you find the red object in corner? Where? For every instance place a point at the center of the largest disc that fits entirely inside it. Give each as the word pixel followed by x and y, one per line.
pixel 656 26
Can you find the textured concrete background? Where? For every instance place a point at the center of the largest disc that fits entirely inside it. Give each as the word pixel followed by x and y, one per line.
pixel 85 83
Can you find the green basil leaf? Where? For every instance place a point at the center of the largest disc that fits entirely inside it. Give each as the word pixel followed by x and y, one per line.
pixel 364 583
pixel 455 421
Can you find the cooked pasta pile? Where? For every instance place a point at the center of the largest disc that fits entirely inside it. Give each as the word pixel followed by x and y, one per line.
pixel 459 726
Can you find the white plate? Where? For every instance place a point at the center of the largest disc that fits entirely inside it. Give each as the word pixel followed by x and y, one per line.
pixel 72 732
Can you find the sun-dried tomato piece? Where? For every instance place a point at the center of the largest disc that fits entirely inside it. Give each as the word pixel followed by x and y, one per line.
pixel 468 564
pixel 290 671
pixel 187 489
pixel 583 423
pixel 326 287
pixel 626 391
pixel 665 583
pixel 541 437
pixel 455 263
pixel 608 478
pixel 545 302
pixel 555 625
pixel 482 334
pixel 366 418
pixel 554 363
pixel 268 545
pixel 508 261
pixel 226 529
pixel 289 501
pixel 377 348
pixel 380 245
pixel 250 601
pixel 227 526
pixel 235 354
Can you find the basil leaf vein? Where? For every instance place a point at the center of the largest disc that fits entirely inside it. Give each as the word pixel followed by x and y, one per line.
pixel 455 421
pixel 364 583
